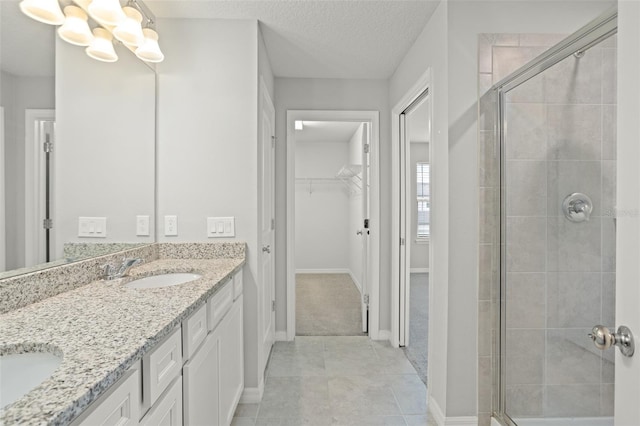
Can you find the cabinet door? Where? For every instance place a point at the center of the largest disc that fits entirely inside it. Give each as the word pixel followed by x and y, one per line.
pixel 232 361
pixel 201 384
pixel 120 406
pixel 167 411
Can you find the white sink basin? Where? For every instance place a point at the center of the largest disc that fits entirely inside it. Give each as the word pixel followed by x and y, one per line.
pixel 22 372
pixel 163 280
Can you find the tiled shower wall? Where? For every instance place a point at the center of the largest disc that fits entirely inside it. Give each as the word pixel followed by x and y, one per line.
pixel 560 275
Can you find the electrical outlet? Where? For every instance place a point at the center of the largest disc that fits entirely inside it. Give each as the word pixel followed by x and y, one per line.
pixel 171 226
pixel 142 226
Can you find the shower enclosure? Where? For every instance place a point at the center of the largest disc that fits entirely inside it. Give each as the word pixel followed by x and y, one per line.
pixel 555 131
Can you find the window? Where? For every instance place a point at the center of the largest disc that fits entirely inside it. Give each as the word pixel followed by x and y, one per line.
pixel 423 200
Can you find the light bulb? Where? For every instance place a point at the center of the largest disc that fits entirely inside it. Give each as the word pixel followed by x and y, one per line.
pixel 149 50
pixel 47 11
pixel 75 29
pixel 101 48
pixel 106 12
pixel 129 31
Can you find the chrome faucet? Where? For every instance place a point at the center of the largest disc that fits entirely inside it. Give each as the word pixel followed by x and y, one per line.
pixel 112 272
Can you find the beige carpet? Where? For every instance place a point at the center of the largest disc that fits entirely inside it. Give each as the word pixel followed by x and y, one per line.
pixel 327 305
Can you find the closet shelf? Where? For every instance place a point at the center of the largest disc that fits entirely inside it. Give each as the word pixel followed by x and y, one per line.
pixel 350 175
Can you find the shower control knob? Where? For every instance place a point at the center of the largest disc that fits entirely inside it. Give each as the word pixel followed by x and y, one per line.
pixel 604 339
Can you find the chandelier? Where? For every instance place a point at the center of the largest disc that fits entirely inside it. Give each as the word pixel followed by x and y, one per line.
pixel 131 25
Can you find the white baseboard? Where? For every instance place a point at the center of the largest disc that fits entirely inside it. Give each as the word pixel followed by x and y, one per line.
pixel 419 270
pixel 323 271
pixel 437 413
pixel 281 336
pixel 383 335
pixel 441 420
pixel 253 395
pixel 355 281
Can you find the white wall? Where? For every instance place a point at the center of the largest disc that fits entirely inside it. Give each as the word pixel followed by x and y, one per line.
pixel 18 94
pixel 419 153
pixel 105 144
pixel 208 142
pixel 454 67
pixel 430 52
pixel 355 208
pixel 322 208
pixel 330 94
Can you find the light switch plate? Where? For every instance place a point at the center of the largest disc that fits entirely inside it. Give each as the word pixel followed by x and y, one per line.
pixel 221 227
pixel 92 227
pixel 171 226
pixel 142 226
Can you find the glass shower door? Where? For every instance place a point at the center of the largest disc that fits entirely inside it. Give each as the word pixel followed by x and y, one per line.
pixel 558 236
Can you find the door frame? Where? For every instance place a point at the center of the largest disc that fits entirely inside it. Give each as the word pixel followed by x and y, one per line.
pixel 266 107
pixel 374 225
pixel 3 239
pixel 34 187
pixel 406 207
pixel 422 85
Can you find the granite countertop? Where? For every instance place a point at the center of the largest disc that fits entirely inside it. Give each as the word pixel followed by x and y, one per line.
pixel 101 329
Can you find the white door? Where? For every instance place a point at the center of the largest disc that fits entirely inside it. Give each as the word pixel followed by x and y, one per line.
pixel 627 370
pixel 267 226
pixel 404 246
pixel 366 227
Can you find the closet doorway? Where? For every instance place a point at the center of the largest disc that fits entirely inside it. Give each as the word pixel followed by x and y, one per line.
pixel 414 125
pixel 331 286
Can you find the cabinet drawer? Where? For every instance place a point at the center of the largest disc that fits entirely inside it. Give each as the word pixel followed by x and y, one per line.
pixel 119 406
pixel 160 367
pixel 237 285
pixel 194 331
pixel 168 410
pixel 219 304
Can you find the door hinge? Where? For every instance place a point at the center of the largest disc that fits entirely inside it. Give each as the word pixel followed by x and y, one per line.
pixel 47 223
pixel 365 298
pixel 273 141
pixel 273 224
pixel 47 146
pixel 366 224
pixel 367 148
pixel 273 306
pixel 401 241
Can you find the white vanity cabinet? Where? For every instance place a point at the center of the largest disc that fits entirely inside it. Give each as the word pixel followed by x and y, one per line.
pixel 231 357
pixel 167 411
pixel 194 377
pixel 214 376
pixel 120 405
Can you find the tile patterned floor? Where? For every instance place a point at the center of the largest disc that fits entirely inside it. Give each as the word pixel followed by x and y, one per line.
pixel 335 381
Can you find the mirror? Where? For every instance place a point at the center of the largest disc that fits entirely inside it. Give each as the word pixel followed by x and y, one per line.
pixel 99 176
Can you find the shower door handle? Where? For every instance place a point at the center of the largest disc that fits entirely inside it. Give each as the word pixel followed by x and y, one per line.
pixel 604 339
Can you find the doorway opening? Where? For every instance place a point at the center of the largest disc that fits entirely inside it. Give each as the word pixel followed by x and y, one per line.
pixel 414 227
pixel 332 226
pixel 39 185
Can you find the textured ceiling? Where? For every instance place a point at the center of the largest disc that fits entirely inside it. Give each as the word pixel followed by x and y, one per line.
pixel 321 38
pixel 326 131
pixel 304 38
